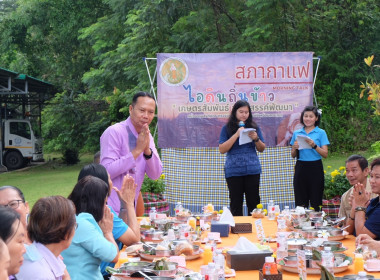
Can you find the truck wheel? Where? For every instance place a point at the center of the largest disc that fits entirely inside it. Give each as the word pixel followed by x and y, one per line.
pixel 14 160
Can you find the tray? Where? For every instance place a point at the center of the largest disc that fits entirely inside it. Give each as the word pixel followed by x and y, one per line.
pixel 188 258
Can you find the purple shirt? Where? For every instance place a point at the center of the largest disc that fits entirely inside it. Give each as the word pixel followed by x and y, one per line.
pixel 40 262
pixel 116 145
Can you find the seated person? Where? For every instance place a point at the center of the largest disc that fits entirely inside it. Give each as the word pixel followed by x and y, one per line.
pixel 356 172
pixel 14 198
pixel 364 216
pixel 12 233
pixel 126 229
pixel 5 260
pixel 51 227
pixel 93 241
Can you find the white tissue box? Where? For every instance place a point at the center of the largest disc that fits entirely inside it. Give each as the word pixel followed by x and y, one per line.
pixel 247 260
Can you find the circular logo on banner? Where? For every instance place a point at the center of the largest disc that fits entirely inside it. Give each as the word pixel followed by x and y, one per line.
pixel 174 71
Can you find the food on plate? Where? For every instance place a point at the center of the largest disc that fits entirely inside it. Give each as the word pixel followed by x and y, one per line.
pixel 184 248
pixel 258 213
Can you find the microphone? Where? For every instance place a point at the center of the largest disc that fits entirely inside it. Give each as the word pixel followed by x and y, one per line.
pixel 241 124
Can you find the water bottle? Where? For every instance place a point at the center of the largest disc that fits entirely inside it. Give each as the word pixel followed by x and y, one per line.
pixel 328 260
pixel 281 223
pixel 271 214
pixel 362 275
pixel 211 272
pixel 241 124
pixel 282 245
pixel 152 214
pixel 178 208
pixel 220 264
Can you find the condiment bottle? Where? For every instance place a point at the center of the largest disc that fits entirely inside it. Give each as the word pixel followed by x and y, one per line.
pixel 358 263
pixel 270 267
pixel 207 255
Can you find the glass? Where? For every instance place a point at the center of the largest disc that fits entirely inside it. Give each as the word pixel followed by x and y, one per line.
pixel 14 204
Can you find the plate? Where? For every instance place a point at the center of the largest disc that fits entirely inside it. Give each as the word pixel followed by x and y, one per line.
pixel 218 241
pixel 294 269
pixel 152 257
pixel 337 238
pixel 371 269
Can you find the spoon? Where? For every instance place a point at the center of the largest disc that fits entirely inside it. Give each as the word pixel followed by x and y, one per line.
pixel 146 276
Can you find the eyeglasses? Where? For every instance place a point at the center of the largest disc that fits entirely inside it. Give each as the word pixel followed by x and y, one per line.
pixel 14 204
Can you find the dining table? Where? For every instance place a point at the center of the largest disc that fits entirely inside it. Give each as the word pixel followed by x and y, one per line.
pixel 270 229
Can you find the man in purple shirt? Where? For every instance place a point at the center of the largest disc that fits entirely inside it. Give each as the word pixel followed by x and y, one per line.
pixel 128 147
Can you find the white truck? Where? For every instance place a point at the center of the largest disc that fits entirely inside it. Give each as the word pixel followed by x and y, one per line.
pixel 19 145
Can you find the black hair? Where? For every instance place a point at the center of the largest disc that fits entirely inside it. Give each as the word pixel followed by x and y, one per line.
pixel 19 192
pixel 96 157
pixel 362 161
pixel 141 94
pixel 94 169
pixel 89 195
pixel 233 124
pixel 8 217
pixel 314 110
pixel 375 162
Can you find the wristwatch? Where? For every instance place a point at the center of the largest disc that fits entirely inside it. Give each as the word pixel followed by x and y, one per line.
pixel 315 146
pixel 257 140
pixel 360 209
pixel 149 156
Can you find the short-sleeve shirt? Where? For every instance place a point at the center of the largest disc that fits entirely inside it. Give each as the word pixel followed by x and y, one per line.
pixel 119 228
pixel 319 137
pixel 372 214
pixel 40 262
pixel 241 160
pixel 88 248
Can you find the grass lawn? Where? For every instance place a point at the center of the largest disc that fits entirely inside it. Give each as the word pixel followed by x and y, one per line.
pixel 54 178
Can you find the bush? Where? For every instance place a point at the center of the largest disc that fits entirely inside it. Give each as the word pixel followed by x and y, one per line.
pixel 336 183
pixel 70 157
pixel 153 186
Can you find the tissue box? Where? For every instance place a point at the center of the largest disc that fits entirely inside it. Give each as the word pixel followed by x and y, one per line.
pixel 270 277
pixel 223 229
pixel 247 260
pixel 242 228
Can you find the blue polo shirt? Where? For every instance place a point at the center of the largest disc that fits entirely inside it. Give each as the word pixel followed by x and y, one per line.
pixel 319 137
pixel 372 214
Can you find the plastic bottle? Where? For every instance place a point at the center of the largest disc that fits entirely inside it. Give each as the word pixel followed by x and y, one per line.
pixel 152 214
pixel 282 245
pixel 358 263
pixel 220 264
pixel 271 215
pixel 178 208
pixel 328 259
pixel 211 272
pixel 270 267
pixel 212 244
pixel 281 223
pixel 362 275
pixel 286 211
pixel 207 255
pixel 171 234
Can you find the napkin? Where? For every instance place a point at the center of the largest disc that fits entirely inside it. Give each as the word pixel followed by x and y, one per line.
pixel 300 210
pixel 244 245
pixel 226 217
pixel 144 222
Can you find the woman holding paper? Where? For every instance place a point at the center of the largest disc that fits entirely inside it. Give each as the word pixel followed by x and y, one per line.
pixel 242 168
pixel 309 145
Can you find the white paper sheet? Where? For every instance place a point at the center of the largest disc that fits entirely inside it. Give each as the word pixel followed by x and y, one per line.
pixel 301 139
pixel 244 138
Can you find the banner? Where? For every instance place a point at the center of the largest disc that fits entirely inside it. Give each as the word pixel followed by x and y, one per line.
pixel 196 93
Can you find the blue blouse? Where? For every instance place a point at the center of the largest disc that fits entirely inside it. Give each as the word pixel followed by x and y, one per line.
pixel 87 250
pixel 241 160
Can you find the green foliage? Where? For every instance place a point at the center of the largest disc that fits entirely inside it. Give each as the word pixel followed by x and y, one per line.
pixel 153 186
pixel 92 51
pixel 70 156
pixel 336 183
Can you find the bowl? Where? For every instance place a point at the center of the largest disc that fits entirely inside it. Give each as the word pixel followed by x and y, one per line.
pixel 314 214
pixel 167 273
pixel 294 244
pixel 152 235
pixel 131 267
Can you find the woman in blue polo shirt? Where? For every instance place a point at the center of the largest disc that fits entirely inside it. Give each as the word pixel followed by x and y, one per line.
pixel 242 168
pixel 308 178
